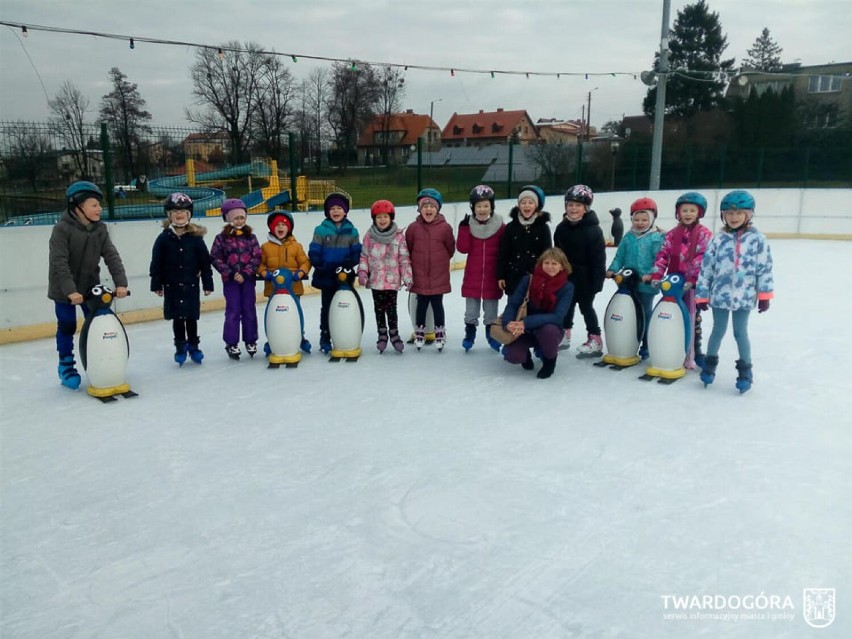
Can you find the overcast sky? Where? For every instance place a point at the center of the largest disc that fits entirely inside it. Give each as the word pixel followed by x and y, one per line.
pixel 550 36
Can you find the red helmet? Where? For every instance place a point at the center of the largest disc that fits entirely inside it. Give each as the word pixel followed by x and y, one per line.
pixel 383 207
pixel 643 204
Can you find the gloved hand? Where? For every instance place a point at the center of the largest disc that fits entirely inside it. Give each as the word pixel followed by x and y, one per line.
pixel 655 283
pixel 465 220
pixel 362 278
pixel 407 284
pixel 687 286
pixel 762 306
pixel 702 306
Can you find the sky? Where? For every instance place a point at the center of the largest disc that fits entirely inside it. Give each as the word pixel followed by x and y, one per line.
pixel 434 496
pixel 551 36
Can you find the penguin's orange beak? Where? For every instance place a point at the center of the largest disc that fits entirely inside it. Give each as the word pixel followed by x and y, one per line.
pixel 341 276
pixel 106 298
pixel 279 279
pixel 618 279
pixel 666 286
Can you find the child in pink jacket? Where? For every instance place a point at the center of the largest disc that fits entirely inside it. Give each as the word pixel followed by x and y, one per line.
pixel 479 237
pixel 385 267
pixel 682 252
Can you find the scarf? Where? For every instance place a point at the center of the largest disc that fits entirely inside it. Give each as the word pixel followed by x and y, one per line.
pixel 486 229
pixel 544 287
pixel 683 233
pixel 383 237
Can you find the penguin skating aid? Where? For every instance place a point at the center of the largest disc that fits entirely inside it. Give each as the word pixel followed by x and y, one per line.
pixel 283 322
pixel 346 319
pixel 624 323
pixel 429 333
pixel 104 348
pixel 669 333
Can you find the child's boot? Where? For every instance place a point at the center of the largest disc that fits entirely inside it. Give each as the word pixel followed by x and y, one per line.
pixel 708 371
pixel 325 342
pixel 251 348
pixel 68 374
pixel 305 345
pixel 493 343
pixel 547 368
pixel 744 377
pixel 233 351
pixel 469 337
pixel 419 336
pixel 195 353
pixel 181 349
pixel 440 338
pixel 592 348
pixel 565 343
pixel 396 340
pixel 382 342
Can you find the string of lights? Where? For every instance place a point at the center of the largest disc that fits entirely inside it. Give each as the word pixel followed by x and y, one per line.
pixel 709 76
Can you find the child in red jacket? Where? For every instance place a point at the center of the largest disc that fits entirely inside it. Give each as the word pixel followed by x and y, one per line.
pixel 431 245
pixel 479 237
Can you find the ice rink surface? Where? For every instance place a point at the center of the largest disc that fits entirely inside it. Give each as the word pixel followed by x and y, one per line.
pixel 436 495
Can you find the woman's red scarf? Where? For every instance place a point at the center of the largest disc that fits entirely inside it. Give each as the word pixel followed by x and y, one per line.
pixel 544 287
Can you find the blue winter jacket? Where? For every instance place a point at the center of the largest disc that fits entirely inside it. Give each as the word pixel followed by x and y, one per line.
pixel 736 271
pixel 638 252
pixel 331 247
pixel 537 318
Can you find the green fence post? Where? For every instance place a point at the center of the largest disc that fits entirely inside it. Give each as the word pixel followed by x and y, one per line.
pixel 294 205
pixel 760 159
pixel 579 179
pixel 108 172
pixel 806 167
pixel 419 164
pixel 722 166
pixel 510 170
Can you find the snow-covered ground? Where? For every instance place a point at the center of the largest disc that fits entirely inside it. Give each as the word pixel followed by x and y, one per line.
pixel 436 495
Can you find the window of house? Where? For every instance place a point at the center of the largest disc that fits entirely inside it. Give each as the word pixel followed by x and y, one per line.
pixel 457 130
pixel 823 84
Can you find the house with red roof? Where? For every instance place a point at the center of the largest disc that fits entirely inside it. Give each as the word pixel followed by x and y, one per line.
pixel 489 127
pixel 398 133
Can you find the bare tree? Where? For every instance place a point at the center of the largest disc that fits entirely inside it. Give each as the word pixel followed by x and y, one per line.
pixel 315 92
pixel 28 154
pixel 391 92
pixel 123 109
pixel 68 112
pixel 556 161
pixel 351 105
pixel 227 84
pixel 274 113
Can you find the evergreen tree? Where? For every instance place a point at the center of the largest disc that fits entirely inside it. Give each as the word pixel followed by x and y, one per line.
pixel 764 54
pixel 123 109
pixel 697 73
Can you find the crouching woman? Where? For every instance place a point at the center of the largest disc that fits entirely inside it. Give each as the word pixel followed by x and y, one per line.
pixel 550 295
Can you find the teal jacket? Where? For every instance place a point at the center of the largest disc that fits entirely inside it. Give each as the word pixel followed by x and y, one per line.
pixel 638 252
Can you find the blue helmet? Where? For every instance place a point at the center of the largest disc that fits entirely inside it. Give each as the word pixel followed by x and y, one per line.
pixel 691 198
pixel 431 193
pixel 737 200
pixel 80 191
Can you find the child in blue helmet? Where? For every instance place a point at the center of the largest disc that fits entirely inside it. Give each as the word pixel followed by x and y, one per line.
pixel 431 246
pixel 736 275
pixel 77 243
pixel 236 255
pixel 178 260
pixel 335 244
pixel 682 252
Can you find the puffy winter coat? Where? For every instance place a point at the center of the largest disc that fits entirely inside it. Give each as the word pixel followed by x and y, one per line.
pixel 481 243
pixel 690 268
pixel 286 253
pixel 431 246
pixel 236 251
pixel 521 246
pixel 333 247
pixel 74 258
pixel 638 252
pixel 385 260
pixel 177 263
pixel 536 318
pixel 584 245
pixel 736 271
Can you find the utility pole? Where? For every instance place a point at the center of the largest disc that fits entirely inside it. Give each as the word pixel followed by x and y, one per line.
pixel 660 108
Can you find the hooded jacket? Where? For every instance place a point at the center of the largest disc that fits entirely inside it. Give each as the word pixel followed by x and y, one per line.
pixel 385 262
pixel 177 262
pixel 431 246
pixel 287 253
pixel 75 252
pixel 584 246
pixel 236 251
pixel 521 246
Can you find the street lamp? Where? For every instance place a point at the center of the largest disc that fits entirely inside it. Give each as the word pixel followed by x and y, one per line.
pixel 589 115
pixel 613 147
pixel 431 116
pixel 660 108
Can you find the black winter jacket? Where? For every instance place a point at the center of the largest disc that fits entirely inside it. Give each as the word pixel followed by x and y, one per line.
pixel 177 262
pixel 584 246
pixel 521 246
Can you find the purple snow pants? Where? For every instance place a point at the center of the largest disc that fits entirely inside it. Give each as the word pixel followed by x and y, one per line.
pixel 240 310
pixel 547 339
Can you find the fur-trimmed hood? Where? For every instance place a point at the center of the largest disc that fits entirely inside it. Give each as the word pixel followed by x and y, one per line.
pixel 191 229
pixel 515 212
